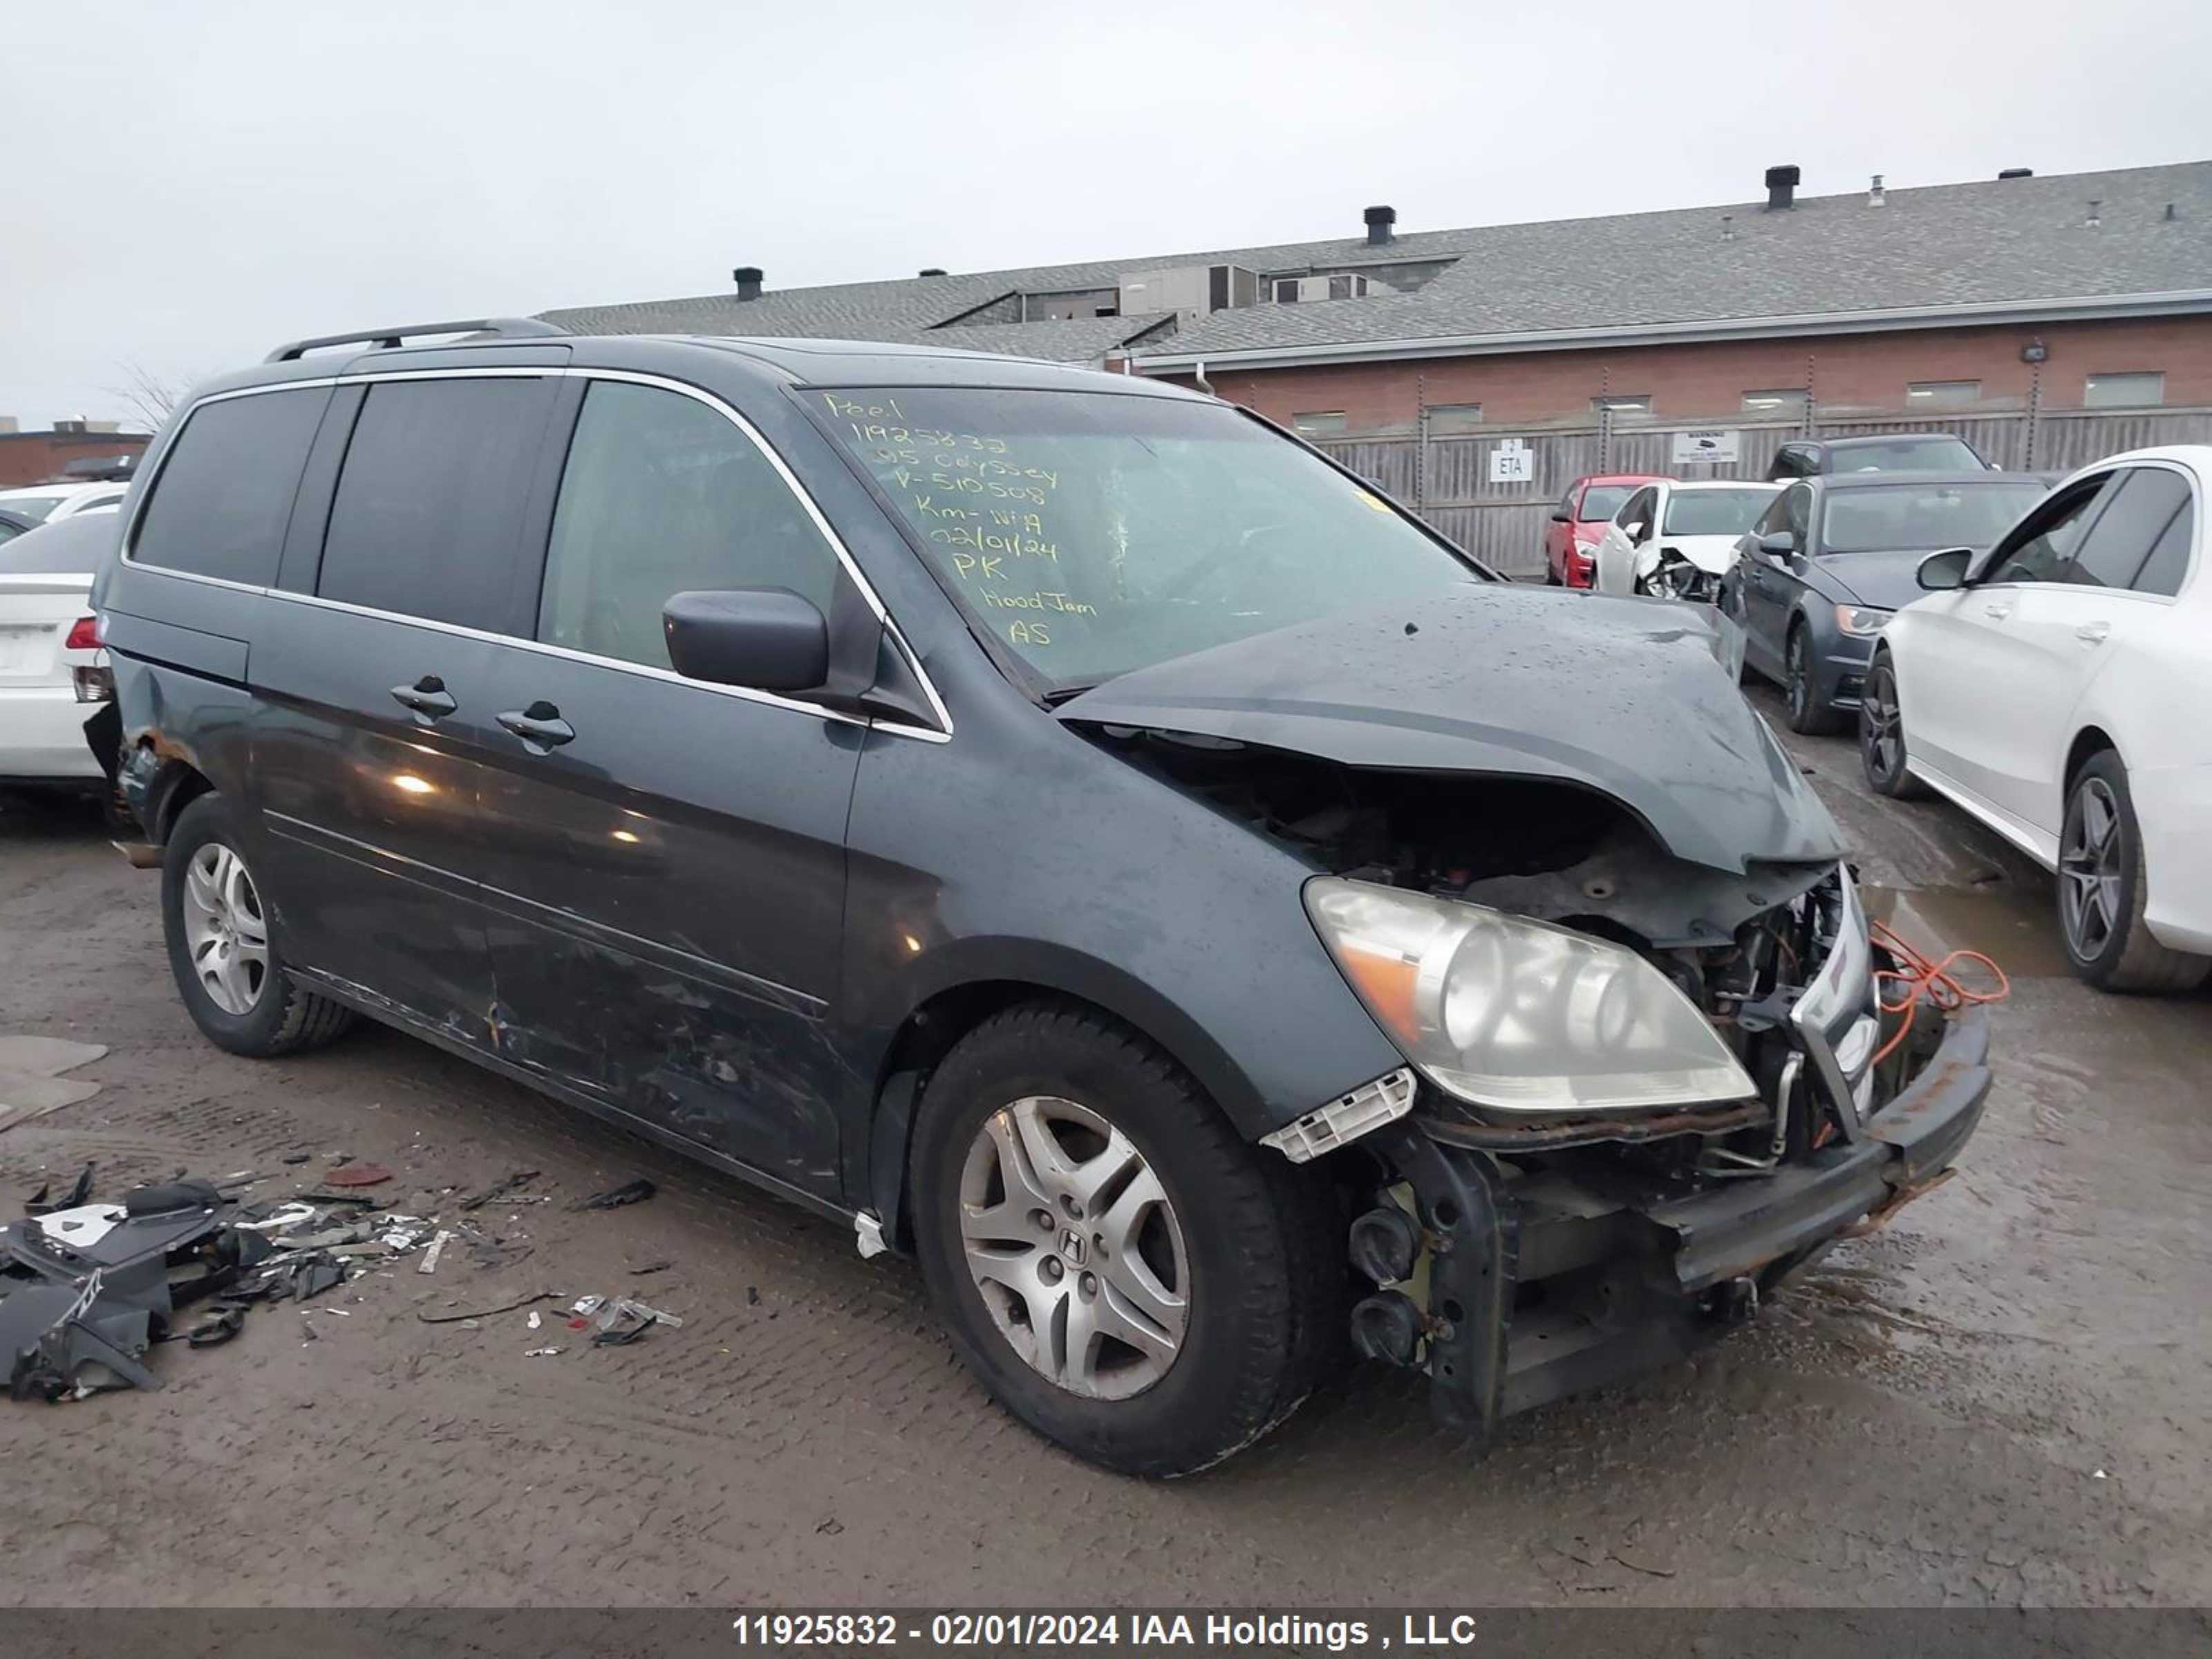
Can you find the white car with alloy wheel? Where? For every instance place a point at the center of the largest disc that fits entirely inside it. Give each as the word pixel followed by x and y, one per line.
pixel 1675 539
pixel 2056 688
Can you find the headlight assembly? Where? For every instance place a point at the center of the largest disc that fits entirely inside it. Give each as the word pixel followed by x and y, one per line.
pixel 1862 621
pixel 1519 1016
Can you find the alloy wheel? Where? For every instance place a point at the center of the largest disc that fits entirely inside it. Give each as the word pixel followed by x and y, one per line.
pixel 1800 689
pixel 2089 867
pixel 1075 1247
pixel 1881 728
pixel 226 934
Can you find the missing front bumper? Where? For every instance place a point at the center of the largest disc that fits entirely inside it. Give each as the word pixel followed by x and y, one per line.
pixel 1539 1287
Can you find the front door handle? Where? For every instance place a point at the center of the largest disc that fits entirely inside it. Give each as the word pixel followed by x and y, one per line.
pixel 540 727
pixel 2000 611
pixel 2094 633
pixel 427 697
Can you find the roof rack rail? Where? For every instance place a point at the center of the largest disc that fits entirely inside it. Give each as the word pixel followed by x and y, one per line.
pixel 390 339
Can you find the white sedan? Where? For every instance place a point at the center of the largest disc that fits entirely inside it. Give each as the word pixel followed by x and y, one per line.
pixel 52 669
pixel 50 503
pixel 1676 539
pixel 2057 687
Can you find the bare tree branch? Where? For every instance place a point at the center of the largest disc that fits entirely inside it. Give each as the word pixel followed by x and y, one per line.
pixel 146 395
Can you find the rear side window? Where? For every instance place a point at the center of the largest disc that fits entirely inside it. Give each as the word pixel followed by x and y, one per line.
pixel 224 494
pixel 2121 539
pixel 427 517
pixel 662 496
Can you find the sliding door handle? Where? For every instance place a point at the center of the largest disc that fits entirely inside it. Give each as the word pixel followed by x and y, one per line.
pixel 540 727
pixel 427 697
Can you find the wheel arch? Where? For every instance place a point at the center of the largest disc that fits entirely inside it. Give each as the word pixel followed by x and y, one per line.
pixel 943 1012
pixel 2089 741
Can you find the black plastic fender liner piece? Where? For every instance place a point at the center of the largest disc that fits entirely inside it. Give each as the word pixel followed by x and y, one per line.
pixel 1474 1257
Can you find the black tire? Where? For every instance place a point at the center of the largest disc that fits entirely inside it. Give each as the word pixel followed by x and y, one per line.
pixel 2117 953
pixel 1265 1288
pixel 283 1017
pixel 1807 712
pixel 1882 735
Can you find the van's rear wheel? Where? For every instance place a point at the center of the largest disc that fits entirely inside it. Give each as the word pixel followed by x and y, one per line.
pixel 223 948
pixel 1126 1274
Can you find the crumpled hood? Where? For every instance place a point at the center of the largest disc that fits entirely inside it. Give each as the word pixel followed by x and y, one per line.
pixel 1712 554
pixel 1889 581
pixel 1621 696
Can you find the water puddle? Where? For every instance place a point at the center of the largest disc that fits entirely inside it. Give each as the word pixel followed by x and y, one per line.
pixel 2015 927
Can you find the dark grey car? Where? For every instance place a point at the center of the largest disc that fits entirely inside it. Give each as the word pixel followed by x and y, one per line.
pixel 1055 822
pixel 1829 562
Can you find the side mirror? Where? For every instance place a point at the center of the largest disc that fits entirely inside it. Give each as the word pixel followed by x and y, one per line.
pixel 1560 516
pixel 1632 529
pixel 1939 573
pixel 1779 543
pixel 766 639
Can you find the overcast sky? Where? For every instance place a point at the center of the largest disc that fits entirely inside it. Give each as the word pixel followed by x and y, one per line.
pixel 192 183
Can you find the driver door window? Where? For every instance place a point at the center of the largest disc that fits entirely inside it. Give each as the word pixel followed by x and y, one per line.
pixel 663 495
pixel 2042 548
pixel 1635 518
pixel 1797 513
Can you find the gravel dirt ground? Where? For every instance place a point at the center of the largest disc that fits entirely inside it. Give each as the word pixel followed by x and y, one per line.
pixel 2000 1399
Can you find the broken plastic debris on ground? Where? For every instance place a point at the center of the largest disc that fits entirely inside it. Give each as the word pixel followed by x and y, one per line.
pixel 87 1288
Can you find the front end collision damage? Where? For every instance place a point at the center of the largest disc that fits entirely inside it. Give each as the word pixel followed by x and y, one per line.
pixel 1553 1258
pixel 1543 1254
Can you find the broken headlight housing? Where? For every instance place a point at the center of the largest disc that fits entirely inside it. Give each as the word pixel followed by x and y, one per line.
pixel 1519 1016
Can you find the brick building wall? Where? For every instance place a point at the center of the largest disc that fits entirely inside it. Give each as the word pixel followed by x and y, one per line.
pixel 29 458
pixel 1847 374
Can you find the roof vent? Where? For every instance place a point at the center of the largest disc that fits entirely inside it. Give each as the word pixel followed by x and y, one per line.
pixel 2096 217
pixel 1781 187
pixel 1727 227
pixel 1876 196
pixel 1379 220
pixel 2017 173
pixel 2170 214
pixel 931 270
pixel 748 279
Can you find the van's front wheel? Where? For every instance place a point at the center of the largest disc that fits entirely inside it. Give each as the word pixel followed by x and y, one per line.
pixel 1127 1275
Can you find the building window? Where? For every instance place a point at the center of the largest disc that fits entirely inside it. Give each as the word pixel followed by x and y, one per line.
pixel 1454 417
pixel 1942 394
pixel 1640 403
pixel 1782 401
pixel 2124 391
pixel 1324 423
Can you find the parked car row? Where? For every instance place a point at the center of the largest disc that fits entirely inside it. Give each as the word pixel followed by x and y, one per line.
pixel 1598 504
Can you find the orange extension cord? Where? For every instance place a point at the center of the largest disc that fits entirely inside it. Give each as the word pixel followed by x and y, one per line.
pixel 1936 979
pixel 1920 975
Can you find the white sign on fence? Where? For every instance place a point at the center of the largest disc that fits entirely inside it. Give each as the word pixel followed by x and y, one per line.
pixel 1512 462
pixel 1716 444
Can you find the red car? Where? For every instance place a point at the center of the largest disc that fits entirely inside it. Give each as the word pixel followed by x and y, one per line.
pixel 1579 519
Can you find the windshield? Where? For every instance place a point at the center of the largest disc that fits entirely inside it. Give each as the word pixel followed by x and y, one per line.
pixel 1602 501
pixel 1096 533
pixel 1907 455
pixel 34 507
pixel 1715 512
pixel 1896 518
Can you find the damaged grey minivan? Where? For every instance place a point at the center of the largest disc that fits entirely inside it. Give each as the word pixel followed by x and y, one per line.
pixel 1054 823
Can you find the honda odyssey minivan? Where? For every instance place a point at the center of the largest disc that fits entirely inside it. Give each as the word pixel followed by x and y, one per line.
pixel 1056 823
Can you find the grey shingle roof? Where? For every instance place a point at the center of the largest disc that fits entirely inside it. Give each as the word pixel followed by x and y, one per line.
pixel 1989 242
